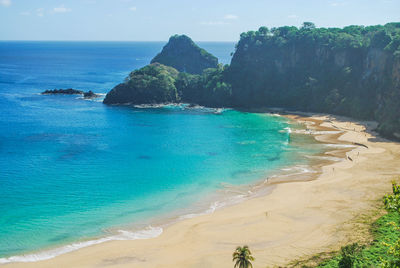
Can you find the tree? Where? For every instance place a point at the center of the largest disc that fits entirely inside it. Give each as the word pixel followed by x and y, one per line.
pixel 242 257
pixel 263 30
pixel 308 25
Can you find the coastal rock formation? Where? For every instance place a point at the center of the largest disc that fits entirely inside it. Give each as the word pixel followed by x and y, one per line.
pixel 158 84
pixel 152 84
pixel 354 71
pixel 90 95
pixel 69 91
pixel 184 55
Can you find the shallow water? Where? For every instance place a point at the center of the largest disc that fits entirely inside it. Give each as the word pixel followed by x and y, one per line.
pixel 72 169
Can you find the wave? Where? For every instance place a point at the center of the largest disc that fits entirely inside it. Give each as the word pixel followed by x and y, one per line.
pixel 214 206
pixel 246 142
pixel 288 130
pixel 317 132
pixel 329 158
pixel 155 106
pixel 232 200
pixel 340 145
pixel 149 232
pixel 296 170
pixel 182 106
pixel 99 98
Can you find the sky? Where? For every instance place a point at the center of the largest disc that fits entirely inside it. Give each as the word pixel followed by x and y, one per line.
pixel 156 20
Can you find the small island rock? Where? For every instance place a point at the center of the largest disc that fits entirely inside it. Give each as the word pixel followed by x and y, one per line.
pixel 69 91
pixel 90 95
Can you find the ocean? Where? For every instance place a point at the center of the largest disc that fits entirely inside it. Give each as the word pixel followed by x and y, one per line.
pixel 75 172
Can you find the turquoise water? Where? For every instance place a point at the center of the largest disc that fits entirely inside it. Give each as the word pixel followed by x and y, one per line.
pixel 74 170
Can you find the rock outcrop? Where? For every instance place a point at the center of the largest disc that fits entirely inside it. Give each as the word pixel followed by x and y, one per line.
pixel 354 71
pixel 69 91
pixel 90 95
pixel 152 84
pixel 184 55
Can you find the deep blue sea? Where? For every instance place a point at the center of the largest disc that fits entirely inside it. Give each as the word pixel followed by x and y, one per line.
pixel 74 170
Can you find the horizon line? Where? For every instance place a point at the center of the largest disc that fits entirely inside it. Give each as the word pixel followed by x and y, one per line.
pixel 48 40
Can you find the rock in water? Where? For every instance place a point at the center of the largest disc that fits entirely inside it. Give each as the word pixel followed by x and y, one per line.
pixel 90 95
pixel 69 91
pixel 184 55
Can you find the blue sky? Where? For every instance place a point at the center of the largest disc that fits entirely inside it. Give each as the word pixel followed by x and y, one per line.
pixel 203 20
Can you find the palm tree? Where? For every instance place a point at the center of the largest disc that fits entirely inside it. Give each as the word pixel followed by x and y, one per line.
pixel 242 257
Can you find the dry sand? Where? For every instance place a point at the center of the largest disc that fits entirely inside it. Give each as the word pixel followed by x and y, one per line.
pixel 296 220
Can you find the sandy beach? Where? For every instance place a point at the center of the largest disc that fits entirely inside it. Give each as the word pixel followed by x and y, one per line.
pixel 294 221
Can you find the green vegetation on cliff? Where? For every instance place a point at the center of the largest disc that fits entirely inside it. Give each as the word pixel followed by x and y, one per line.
pixel 354 71
pixel 184 55
pixel 157 83
pixel 152 84
pixel 208 89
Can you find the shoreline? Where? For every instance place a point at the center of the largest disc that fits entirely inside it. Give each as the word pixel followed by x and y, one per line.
pixel 228 195
pixel 175 235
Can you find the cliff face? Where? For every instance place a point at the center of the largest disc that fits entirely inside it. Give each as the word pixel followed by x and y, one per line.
pixel 184 55
pixel 352 71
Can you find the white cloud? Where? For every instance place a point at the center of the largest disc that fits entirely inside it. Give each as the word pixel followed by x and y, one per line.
pixel 132 8
pixel 231 17
pixel 5 3
pixel 61 9
pixel 337 4
pixel 212 23
pixel 292 16
pixel 25 13
pixel 40 12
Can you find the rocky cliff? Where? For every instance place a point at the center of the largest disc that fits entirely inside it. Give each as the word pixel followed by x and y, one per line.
pixel 184 55
pixel 352 71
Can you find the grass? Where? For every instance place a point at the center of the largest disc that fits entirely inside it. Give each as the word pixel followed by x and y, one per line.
pixel 379 246
pixel 376 253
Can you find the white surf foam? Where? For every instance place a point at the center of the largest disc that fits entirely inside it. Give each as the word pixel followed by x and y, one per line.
pixel 149 106
pixel 329 158
pixel 215 206
pixel 340 145
pixel 316 132
pixel 296 170
pixel 149 232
